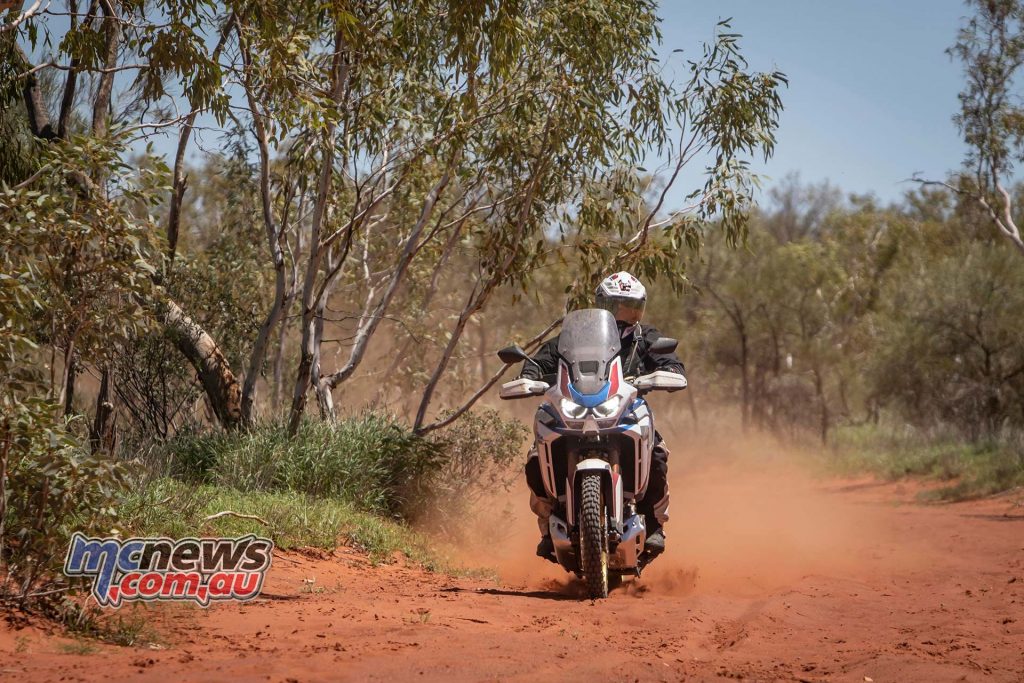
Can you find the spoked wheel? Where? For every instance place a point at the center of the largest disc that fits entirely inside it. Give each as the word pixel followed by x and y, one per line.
pixel 593 537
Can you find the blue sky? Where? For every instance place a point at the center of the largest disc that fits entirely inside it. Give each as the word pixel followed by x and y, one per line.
pixel 872 92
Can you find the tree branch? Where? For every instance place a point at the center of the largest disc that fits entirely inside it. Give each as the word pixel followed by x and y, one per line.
pixel 238 515
pixel 25 16
pixel 458 412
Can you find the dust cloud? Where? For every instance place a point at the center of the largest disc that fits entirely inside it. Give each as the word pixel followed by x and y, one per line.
pixel 749 515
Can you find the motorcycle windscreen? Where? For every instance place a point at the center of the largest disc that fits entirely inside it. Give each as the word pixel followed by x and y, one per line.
pixel 588 343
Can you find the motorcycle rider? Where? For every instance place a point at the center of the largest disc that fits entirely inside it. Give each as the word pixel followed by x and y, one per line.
pixel 626 298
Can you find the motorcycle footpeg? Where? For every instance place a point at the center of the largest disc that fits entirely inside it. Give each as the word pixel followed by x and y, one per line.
pixel 646 557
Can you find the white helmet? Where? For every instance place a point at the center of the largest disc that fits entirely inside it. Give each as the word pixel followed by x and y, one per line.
pixel 624 296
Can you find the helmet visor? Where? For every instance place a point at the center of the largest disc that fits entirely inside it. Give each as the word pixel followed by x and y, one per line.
pixel 629 311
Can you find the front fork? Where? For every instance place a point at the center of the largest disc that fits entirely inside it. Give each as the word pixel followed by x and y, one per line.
pixel 627 531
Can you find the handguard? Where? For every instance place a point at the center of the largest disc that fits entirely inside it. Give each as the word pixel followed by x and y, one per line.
pixel 660 380
pixel 522 388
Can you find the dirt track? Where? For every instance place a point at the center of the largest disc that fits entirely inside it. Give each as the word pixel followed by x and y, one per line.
pixel 768 577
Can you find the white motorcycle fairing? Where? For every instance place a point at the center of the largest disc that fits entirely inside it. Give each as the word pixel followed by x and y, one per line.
pixel 625 434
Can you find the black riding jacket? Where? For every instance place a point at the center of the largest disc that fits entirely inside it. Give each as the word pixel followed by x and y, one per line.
pixel 636 359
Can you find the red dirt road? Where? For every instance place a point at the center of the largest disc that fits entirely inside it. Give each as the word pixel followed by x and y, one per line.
pixel 768 577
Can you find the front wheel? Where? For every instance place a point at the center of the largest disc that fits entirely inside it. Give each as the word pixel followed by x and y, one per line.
pixel 593 537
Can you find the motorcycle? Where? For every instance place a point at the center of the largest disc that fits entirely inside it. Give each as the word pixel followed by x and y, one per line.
pixel 594 436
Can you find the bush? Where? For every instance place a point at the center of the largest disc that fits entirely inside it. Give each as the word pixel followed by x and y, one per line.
pixel 372 461
pixel 50 486
pixel 972 469
pixel 482 451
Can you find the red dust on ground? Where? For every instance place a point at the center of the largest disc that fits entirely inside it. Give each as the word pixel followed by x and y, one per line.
pixel 769 576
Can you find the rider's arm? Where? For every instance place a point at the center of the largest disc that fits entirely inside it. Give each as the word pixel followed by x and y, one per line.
pixel 546 357
pixel 659 361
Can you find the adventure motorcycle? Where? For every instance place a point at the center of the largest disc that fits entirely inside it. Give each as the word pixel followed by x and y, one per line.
pixel 594 437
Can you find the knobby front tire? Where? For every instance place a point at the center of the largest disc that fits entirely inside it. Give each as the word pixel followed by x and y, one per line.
pixel 593 537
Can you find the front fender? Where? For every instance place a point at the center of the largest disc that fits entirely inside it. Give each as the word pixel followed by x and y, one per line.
pixel 611 486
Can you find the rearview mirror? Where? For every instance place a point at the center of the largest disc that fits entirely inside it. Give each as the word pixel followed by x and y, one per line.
pixel 512 354
pixel 664 345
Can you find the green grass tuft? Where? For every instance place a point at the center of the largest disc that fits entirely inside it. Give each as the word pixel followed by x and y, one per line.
pixel 167 507
pixel 970 470
pixel 372 461
pixel 78 647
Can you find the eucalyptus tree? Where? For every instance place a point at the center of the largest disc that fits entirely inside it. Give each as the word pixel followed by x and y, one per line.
pixel 613 213
pixel 470 122
pixel 991 119
pixel 946 337
pixel 116 59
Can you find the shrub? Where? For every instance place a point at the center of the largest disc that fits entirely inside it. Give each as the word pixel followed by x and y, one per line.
pixel 372 461
pixel 50 486
pixel 972 468
pixel 482 451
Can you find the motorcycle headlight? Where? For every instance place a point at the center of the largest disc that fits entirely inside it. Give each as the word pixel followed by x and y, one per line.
pixel 573 409
pixel 609 407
